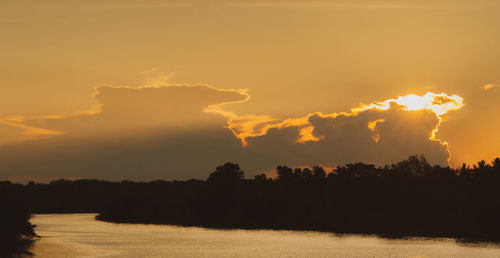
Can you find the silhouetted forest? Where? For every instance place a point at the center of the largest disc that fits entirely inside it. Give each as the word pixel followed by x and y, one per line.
pixel 16 232
pixel 409 198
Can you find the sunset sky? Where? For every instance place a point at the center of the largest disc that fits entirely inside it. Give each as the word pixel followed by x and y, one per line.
pixel 123 89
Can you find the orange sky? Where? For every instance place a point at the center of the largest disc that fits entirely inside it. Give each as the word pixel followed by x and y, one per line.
pixel 293 58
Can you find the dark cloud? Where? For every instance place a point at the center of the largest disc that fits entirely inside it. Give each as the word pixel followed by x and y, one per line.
pixel 181 132
pixel 348 139
pixel 123 109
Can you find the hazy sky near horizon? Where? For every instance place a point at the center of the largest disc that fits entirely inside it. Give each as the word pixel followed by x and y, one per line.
pixel 293 57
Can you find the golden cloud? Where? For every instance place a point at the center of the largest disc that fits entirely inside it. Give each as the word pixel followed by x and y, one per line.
pixel 141 132
pixel 491 86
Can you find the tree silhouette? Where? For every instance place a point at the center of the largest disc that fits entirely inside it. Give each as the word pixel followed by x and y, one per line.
pixel 415 165
pixel 15 229
pixel 285 174
pixel 227 174
pixel 319 173
pixel 261 178
pixel 481 166
pixel 409 198
pixel 496 163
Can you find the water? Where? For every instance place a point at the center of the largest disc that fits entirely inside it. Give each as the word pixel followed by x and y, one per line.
pixel 79 235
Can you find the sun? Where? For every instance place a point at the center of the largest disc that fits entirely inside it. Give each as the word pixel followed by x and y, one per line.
pixel 437 103
pixel 414 102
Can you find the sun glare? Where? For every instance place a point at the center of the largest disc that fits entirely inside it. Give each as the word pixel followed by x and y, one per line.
pixel 437 103
pixel 414 102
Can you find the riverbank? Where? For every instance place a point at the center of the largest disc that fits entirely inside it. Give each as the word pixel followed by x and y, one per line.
pixel 409 198
pixel 16 231
pixel 80 235
pixel 461 238
pixel 16 248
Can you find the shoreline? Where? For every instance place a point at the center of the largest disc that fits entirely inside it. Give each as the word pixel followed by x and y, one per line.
pixel 81 235
pixel 19 248
pixel 457 239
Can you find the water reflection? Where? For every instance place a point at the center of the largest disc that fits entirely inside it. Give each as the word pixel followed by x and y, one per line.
pixel 79 235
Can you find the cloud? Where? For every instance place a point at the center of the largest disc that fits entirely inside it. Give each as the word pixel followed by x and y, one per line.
pixel 438 104
pixel 157 105
pixel 175 131
pixel 14 129
pixel 347 138
pixel 491 86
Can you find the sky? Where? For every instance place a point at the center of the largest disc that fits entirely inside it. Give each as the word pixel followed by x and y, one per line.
pixel 123 89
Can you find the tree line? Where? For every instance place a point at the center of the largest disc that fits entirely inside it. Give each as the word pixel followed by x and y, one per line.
pixel 408 198
pixel 16 232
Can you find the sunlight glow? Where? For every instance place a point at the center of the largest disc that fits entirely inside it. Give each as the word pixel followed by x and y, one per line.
pixel 372 126
pixel 306 135
pixel 439 104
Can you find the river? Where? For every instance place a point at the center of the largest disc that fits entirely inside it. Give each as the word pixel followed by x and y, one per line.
pixel 80 235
